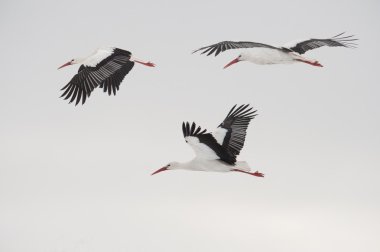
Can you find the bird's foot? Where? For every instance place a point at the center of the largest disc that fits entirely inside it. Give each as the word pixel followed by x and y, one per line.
pixel 258 174
pixel 316 63
pixel 150 64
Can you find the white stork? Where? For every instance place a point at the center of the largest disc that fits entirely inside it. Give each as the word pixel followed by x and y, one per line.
pixel 264 54
pixel 105 68
pixel 217 151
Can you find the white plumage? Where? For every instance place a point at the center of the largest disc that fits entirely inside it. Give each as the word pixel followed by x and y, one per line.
pixel 202 151
pixel 105 68
pixel 217 151
pixel 264 54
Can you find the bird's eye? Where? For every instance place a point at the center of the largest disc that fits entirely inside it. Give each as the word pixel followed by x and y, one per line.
pixel 72 60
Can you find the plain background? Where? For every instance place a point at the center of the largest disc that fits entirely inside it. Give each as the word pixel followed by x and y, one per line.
pixel 78 178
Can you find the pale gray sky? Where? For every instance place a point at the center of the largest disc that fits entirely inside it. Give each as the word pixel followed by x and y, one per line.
pixel 76 179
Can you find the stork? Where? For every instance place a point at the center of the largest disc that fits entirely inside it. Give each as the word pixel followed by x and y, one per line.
pixel 105 68
pixel 217 151
pixel 291 52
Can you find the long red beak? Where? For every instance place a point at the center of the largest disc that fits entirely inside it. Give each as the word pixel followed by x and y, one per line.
pixel 160 170
pixel 66 64
pixel 232 62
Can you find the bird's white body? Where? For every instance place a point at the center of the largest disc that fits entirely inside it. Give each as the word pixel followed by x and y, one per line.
pixel 267 56
pixel 106 68
pixel 198 164
pixel 264 54
pixel 217 151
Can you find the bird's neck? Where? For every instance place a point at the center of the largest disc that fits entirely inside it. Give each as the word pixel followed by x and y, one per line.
pixel 178 166
pixel 190 165
pixel 79 60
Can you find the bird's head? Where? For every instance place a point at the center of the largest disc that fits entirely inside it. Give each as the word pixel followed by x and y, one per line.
pixel 170 166
pixel 71 62
pixel 241 57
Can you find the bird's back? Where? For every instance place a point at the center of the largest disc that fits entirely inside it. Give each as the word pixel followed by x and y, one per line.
pixel 103 54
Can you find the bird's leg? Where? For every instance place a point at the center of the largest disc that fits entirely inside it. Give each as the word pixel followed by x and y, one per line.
pixel 313 63
pixel 146 63
pixel 256 173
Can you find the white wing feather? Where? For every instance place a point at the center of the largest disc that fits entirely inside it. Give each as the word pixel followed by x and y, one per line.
pixel 201 150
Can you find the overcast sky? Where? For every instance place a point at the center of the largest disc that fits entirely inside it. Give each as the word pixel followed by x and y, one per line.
pixel 76 179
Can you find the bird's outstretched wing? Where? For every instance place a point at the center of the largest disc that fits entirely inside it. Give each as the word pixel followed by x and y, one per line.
pixel 226 45
pixel 108 74
pixel 204 144
pixel 232 131
pixel 305 45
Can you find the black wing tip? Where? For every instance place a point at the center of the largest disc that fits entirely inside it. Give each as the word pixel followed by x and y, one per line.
pixel 77 102
pixel 75 95
pixel 211 49
pixel 200 50
pixel 342 33
pixel 244 110
pixel 192 129
pixel 346 41
pixel 194 51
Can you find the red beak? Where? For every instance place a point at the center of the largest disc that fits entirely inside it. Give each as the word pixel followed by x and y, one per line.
pixel 232 62
pixel 160 170
pixel 66 64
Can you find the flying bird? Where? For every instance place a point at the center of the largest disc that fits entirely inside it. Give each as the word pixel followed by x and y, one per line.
pixel 291 52
pixel 217 151
pixel 105 68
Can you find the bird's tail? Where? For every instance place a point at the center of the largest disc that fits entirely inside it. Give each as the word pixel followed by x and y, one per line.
pixel 242 165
